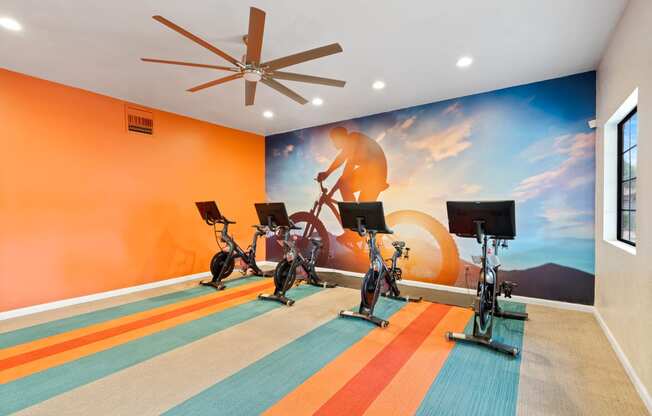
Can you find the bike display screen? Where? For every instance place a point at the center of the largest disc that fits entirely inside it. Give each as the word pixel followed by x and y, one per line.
pixel 370 214
pixel 274 212
pixel 497 217
pixel 209 211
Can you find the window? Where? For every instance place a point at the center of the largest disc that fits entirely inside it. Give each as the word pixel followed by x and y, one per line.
pixel 627 154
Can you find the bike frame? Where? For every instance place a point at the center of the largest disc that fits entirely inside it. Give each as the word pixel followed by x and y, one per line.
pixel 377 264
pixel 484 336
pixel 299 260
pixel 294 258
pixel 235 251
pixel 386 274
pixel 325 198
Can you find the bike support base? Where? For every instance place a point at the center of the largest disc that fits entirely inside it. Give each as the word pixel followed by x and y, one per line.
pixel 511 315
pixel 322 284
pixel 487 342
pixel 370 318
pixel 215 285
pixel 277 298
pixel 403 298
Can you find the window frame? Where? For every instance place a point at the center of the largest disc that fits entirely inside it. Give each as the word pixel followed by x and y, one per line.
pixel 619 179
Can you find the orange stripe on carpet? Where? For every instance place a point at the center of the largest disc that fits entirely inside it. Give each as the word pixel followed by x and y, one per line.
pixel 315 391
pixel 403 395
pixel 356 396
pixel 78 342
pixel 56 339
pixel 71 355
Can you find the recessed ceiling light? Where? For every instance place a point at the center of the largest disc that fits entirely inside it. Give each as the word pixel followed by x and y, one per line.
pixel 378 85
pixel 10 24
pixel 317 101
pixel 268 114
pixel 464 62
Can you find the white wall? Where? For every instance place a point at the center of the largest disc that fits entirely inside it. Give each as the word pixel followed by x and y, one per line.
pixel 624 279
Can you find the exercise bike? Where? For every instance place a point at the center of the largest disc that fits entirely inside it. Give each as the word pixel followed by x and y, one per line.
pixel 368 220
pixel 223 262
pixel 286 272
pixel 496 218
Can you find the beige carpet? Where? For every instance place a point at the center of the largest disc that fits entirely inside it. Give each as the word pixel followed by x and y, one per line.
pixel 569 368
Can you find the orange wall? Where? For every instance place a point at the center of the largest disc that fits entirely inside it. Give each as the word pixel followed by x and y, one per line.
pixel 86 207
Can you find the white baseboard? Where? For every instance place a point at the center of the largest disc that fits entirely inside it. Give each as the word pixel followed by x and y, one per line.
pixel 97 296
pixel 554 304
pixel 638 384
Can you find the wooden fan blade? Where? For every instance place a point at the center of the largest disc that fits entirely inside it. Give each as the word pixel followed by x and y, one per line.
pixel 196 39
pixel 306 78
pixel 297 58
pixel 215 82
pixel 164 61
pixel 250 92
pixel 255 35
pixel 283 90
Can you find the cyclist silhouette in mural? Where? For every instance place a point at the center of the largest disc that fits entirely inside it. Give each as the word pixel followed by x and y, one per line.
pixel 366 166
pixel 365 171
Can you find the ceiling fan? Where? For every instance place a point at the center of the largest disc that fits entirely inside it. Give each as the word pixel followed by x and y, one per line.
pixel 250 67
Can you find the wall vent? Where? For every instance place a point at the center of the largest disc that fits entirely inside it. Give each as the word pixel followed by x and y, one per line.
pixel 139 120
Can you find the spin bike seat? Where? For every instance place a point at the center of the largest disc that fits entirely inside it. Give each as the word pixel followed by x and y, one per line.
pixel 399 244
pixel 316 241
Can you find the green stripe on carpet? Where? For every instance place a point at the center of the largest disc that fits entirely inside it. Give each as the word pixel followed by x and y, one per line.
pixel 255 388
pixel 41 386
pixel 476 380
pixel 23 335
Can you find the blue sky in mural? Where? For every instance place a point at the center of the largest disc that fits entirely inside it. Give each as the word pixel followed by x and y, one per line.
pixel 530 143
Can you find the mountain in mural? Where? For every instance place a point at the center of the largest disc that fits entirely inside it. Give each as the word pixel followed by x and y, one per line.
pixel 548 281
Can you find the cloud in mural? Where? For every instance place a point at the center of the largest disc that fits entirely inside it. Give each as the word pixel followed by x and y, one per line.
pixel 448 143
pixel 288 149
pixel 471 189
pixel 453 108
pixel 570 173
pixel 408 123
pixel 568 221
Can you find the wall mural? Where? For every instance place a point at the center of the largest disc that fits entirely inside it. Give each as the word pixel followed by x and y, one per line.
pixel 530 143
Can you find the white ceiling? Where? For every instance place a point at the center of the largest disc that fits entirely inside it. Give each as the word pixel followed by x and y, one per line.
pixel 411 45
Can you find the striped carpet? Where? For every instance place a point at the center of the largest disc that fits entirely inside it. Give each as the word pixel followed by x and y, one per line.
pixel 200 352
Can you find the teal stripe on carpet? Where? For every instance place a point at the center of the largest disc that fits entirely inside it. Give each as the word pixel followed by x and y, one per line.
pixel 41 386
pixel 255 388
pixel 23 335
pixel 476 380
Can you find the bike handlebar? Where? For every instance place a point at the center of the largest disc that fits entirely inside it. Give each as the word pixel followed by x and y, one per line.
pixel 321 186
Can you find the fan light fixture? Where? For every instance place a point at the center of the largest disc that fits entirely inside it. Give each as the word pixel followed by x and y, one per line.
pixel 317 101
pixel 268 114
pixel 378 85
pixel 252 75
